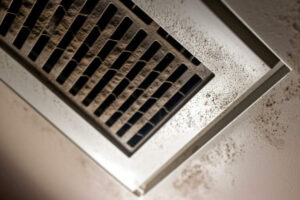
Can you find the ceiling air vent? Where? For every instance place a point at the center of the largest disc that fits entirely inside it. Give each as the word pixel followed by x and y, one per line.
pixel 123 72
pixel 126 77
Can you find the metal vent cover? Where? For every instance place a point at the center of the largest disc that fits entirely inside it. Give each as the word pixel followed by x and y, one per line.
pixel 122 71
pixel 244 67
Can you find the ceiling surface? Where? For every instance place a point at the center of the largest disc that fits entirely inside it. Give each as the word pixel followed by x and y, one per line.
pixel 255 157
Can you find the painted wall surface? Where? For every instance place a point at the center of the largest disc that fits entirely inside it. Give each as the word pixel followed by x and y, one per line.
pixel 255 157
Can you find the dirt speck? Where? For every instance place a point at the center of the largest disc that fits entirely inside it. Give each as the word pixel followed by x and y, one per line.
pixel 233 182
pixel 296 27
pixel 83 162
pixel 192 178
pixel 25 108
pixel 291 21
pixel 268 123
pixel 198 174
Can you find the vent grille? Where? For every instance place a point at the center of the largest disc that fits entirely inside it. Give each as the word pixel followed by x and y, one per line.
pixel 121 70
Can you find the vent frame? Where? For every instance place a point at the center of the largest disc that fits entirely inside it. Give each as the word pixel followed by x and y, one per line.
pixel 143 173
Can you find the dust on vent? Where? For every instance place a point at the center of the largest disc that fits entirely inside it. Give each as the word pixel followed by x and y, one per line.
pixel 108 59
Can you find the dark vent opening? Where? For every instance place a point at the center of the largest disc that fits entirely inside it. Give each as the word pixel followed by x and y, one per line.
pixel 104 105
pixel 66 72
pixel 113 119
pixel 97 89
pixel 161 90
pixel 122 28
pixel 15 6
pixel 6 23
pixel 106 49
pixel 106 17
pixel 52 60
pixel 66 3
pixel 78 85
pixel 135 118
pixel 174 43
pixel 142 15
pixel 148 104
pixel 177 73
pixel 195 61
pixel 190 84
pixel 177 46
pixel 137 11
pixel 155 46
pixel 159 116
pixel 83 49
pixel 76 25
pixel 10 16
pixel 135 70
pixel 134 140
pixel 38 47
pixel 57 17
pixel 88 6
pixel 35 13
pixel 123 130
pixel 136 41
pixel 131 100
pixel 92 37
pixel 150 78
pixel 59 14
pixel 128 3
pixel 164 62
pixel 173 101
pixel 21 37
pixel 146 129
pixel 121 60
pixel 68 37
pixel 121 87
pixel 94 65
pixel 162 33
pixel 187 54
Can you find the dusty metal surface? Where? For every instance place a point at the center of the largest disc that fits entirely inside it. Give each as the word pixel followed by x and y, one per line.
pixel 247 160
pixel 119 67
pixel 237 69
